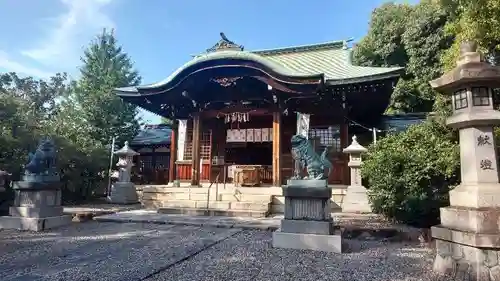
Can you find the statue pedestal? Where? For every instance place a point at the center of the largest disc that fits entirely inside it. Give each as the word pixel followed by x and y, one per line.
pixel 308 224
pixel 37 206
pixel 123 193
pixel 356 200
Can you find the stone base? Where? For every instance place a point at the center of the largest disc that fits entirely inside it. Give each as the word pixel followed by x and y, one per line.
pixel 482 220
pixel 34 224
pixel 467 255
pixel 307 203
pixel 464 262
pixel 356 200
pixel 484 195
pixel 123 193
pixel 308 183
pixel 36 212
pixel 307 227
pixel 301 241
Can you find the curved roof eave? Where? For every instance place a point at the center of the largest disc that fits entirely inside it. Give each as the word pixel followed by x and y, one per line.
pixel 395 73
pixel 236 55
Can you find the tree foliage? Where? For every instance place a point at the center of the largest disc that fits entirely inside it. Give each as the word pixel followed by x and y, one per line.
pixel 81 116
pixel 410 174
pixel 105 67
pixel 413 37
pixel 477 20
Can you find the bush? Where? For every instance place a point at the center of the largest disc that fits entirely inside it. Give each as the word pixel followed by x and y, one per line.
pixel 409 174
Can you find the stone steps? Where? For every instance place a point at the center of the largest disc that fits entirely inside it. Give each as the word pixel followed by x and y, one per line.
pixel 218 205
pixel 213 212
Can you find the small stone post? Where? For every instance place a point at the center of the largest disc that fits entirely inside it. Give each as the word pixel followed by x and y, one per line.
pixel 356 199
pixel 468 239
pixel 123 191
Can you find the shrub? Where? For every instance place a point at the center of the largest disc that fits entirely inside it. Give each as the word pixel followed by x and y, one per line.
pixel 409 174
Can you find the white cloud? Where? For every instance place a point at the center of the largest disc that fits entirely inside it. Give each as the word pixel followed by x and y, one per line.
pixel 71 31
pixel 13 66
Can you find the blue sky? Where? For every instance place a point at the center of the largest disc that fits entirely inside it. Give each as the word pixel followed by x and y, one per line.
pixel 41 38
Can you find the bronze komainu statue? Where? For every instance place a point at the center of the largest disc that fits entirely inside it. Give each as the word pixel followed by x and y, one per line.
pixel 304 154
pixel 43 160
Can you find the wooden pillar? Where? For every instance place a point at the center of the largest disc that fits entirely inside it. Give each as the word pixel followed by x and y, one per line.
pixel 195 164
pixel 276 148
pixel 173 155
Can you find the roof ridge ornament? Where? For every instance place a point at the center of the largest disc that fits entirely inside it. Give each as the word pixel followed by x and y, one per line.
pixel 225 44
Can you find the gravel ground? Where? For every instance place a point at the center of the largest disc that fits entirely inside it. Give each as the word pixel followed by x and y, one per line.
pixel 248 256
pixel 133 251
pixel 100 251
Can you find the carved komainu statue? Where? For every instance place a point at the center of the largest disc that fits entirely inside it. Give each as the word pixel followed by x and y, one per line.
pixel 304 154
pixel 42 162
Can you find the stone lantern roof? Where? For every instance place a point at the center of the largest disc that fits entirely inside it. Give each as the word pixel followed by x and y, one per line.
pixel 471 70
pixel 126 151
pixel 355 147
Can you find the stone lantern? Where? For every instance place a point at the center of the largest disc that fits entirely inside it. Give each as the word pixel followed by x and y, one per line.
pixel 468 239
pixel 356 199
pixel 3 179
pixel 123 191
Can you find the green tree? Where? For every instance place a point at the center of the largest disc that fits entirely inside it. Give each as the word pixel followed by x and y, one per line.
pixel 477 20
pixel 106 66
pixel 412 37
pixel 409 174
pixel 26 107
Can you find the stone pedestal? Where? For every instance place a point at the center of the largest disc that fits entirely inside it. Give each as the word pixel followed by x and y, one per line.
pixel 37 206
pixel 468 239
pixel 356 198
pixel 308 224
pixel 123 191
pixel 3 179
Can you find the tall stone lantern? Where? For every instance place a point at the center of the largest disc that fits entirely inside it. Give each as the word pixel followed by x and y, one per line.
pixel 123 191
pixel 356 199
pixel 468 239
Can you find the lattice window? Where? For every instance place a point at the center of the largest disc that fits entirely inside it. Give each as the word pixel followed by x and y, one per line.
pixel 480 96
pixel 145 162
pixel 327 137
pixel 205 145
pixel 460 99
pixel 162 161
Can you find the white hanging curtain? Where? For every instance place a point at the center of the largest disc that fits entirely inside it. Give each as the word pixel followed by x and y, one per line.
pixel 303 124
pixel 181 141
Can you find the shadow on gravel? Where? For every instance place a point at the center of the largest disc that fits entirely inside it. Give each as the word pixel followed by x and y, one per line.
pixel 249 255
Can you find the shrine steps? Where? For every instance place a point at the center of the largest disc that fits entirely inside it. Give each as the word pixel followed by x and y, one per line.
pixel 220 201
pixel 214 212
pixel 217 208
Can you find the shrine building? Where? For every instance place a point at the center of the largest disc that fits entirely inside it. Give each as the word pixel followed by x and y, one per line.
pixel 235 111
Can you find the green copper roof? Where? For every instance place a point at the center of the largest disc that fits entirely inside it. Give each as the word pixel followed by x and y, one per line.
pixel 232 54
pixel 153 134
pixel 329 60
pixel 333 59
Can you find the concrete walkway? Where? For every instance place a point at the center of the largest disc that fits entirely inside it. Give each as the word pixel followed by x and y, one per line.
pixel 150 216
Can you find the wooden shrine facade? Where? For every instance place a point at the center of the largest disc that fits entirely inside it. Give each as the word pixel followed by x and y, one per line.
pixel 152 165
pixel 213 145
pixel 236 110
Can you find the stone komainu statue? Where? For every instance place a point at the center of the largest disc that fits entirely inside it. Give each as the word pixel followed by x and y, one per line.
pixel 304 154
pixel 43 160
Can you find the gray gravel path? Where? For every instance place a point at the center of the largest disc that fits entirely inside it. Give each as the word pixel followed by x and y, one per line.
pixel 101 251
pixel 95 251
pixel 248 256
